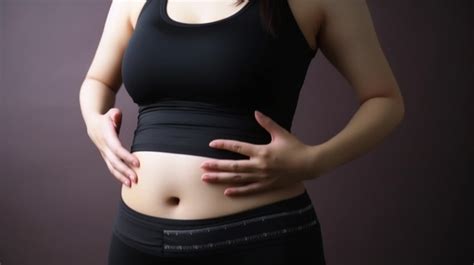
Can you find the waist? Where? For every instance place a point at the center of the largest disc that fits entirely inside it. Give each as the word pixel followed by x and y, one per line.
pixel 165 236
pixel 187 127
pixel 171 185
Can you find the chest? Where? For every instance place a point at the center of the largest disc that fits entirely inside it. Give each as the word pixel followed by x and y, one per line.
pixel 307 14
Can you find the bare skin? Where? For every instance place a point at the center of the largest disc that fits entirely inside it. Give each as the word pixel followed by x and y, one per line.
pixel 171 185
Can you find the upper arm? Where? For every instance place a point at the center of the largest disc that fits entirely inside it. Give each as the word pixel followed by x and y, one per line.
pixel 348 40
pixel 106 63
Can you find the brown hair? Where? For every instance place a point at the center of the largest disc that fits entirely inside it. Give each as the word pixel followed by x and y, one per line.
pixel 267 14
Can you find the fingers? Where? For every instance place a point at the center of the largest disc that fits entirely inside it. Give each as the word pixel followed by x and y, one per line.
pixel 234 146
pixel 117 174
pixel 119 160
pixel 231 177
pixel 120 166
pixel 114 144
pixel 243 165
pixel 117 155
pixel 124 154
pixel 248 189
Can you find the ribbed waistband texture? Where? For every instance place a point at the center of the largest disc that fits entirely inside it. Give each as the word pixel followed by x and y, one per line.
pixel 187 127
pixel 183 237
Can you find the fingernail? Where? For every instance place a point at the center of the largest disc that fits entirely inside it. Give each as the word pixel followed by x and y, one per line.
pixel 135 163
pixel 207 177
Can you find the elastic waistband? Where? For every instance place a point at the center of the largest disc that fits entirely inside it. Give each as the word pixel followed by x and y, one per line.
pixel 290 204
pixel 176 237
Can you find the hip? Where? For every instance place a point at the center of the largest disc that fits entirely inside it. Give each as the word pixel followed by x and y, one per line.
pixel 276 233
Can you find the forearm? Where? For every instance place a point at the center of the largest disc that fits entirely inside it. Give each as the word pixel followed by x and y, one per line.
pixel 95 98
pixel 372 122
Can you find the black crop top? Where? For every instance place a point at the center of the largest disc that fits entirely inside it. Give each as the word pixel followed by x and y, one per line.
pixel 197 82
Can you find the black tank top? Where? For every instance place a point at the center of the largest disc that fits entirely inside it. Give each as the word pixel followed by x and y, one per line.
pixel 194 83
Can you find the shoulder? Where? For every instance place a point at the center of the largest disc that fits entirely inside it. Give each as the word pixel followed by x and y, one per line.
pixel 126 9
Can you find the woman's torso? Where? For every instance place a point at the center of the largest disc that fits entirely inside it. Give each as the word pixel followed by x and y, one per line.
pixel 169 184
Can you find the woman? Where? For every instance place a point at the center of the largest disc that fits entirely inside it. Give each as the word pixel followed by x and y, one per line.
pixel 210 71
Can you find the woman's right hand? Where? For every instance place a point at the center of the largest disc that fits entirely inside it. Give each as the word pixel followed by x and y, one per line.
pixel 104 133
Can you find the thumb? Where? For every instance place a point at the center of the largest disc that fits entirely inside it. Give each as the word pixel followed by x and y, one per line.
pixel 270 125
pixel 116 116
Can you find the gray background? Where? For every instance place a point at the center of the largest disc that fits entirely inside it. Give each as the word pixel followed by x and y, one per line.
pixel 409 201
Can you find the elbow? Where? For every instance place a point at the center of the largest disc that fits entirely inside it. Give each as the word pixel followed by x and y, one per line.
pixel 394 103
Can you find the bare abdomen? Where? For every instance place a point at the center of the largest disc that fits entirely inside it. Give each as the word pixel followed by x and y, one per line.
pixel 170 186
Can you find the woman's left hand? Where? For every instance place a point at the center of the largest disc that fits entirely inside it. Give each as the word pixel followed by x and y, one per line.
pixel 282 162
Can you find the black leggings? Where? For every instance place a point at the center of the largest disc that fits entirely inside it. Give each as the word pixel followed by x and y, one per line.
pixel 277 233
